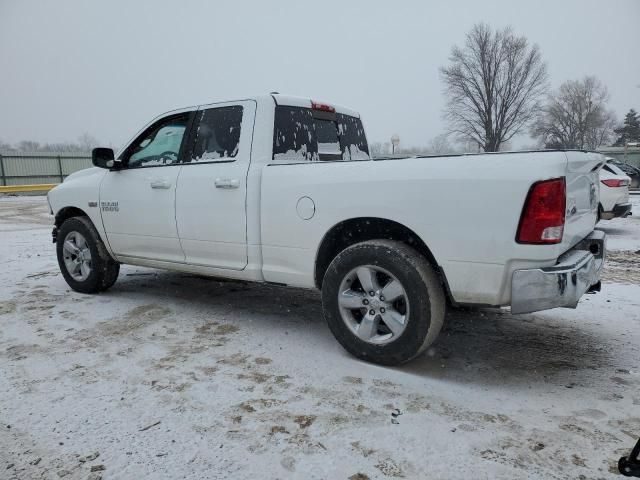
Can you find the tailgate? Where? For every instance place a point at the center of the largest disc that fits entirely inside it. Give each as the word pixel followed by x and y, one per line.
pixel 582 195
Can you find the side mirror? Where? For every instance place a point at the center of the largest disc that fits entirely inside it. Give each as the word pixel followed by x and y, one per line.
pixel 103 157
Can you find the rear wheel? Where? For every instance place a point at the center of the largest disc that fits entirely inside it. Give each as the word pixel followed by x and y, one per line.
pixel 383 301
pixel 83 259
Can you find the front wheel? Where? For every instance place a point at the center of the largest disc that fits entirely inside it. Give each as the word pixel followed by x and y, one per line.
pixel 83 259
pixel 383 301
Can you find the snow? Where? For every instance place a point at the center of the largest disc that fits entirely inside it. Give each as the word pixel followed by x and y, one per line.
pixel 301 155
pixel 215 155
pixel 624 233
pixel 354 153
pixel 247 381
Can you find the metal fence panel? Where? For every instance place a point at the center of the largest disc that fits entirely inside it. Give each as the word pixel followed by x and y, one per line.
pixel 26 167
pixel 20 168
pixel 70 165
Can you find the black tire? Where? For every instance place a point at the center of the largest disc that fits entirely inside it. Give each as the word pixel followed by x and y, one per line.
pixel 104 269
pixel 424 293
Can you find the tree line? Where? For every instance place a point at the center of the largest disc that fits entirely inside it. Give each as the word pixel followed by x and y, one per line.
pixel 84 144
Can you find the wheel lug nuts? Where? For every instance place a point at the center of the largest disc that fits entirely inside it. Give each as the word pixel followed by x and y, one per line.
pixel 372 312
pixel 365 301
pixel 372 293
pixel 382 298
pixel 382 310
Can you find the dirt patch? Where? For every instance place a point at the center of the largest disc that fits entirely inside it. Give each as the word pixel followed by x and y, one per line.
pixel 21 352
pixel 225 329
pixel 278 429
pixel 352 380
pixel 7 307
pixel 389 468
pixel 304 421
pixel 254 377
pixel 365 452
pixel 235 359
pixel 622 267
pixel 135 319
pixel 359 476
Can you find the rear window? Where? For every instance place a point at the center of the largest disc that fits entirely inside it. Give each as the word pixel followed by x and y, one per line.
pixel 610 167
pixel 302 134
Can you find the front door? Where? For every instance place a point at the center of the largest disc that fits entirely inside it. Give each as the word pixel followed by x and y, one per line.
pixel 212 186
pixel 137 202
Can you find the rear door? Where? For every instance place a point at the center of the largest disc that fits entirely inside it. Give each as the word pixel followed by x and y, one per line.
pixel 212 186
pixel 137 202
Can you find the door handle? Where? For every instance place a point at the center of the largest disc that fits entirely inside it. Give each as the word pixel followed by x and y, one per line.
pixel 227 183
pixel 159 183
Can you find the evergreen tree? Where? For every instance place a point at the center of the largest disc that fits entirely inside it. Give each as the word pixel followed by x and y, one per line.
pixel 630 131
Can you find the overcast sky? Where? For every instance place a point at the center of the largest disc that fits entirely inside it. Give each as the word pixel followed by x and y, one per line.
pixel 106 68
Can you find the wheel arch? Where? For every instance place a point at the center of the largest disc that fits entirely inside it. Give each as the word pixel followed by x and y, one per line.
pixel 354 230
pixel 68 212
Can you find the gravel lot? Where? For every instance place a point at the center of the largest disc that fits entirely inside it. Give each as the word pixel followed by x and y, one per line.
pixel 173 376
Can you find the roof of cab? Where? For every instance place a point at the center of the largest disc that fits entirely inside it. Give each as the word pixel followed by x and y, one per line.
pixel 305 102
pixel 279 99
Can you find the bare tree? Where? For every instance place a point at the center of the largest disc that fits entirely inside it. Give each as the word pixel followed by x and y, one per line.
pixel 87 142
pixel 576 116
pixel 439 145
pixel 493 85
pixel 28 146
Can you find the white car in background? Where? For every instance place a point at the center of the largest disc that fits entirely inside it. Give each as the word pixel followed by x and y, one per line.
pixel 614 192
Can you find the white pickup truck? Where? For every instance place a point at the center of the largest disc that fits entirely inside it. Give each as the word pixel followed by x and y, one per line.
pixel 283 190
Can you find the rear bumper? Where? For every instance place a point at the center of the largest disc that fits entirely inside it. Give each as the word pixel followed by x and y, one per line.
pixel 619 210
pixel 562 285
pixel 622 210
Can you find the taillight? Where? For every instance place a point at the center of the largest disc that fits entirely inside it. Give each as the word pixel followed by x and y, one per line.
pixel 542 220
pixel 614 182
pixel 323 107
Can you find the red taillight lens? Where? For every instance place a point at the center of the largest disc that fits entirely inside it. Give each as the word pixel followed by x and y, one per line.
pixel 542 220
pixel 612 182
pixel 324 107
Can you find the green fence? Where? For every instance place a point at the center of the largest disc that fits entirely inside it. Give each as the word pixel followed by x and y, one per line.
pixel 20 168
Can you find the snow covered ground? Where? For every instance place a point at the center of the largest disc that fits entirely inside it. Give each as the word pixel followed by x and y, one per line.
pixel 624 233
pixel 173 376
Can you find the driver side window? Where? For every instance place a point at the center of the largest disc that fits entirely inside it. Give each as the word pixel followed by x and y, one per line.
pixel 160 144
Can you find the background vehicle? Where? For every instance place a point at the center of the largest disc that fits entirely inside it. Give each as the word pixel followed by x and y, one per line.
pixel 614 193
pixel 631 171
pixel 282 189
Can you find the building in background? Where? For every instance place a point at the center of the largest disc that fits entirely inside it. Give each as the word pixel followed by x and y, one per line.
pixel 629 154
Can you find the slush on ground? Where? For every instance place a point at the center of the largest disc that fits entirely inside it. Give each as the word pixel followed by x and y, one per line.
pixel 169 375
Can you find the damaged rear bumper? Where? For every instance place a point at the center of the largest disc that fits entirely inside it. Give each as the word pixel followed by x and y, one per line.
pixel 576 273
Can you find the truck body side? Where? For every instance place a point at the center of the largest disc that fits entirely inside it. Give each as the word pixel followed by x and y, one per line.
pixel 462 211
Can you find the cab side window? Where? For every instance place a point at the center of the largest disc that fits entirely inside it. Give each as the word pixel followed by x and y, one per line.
pixel 217 134
pixel 159 145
